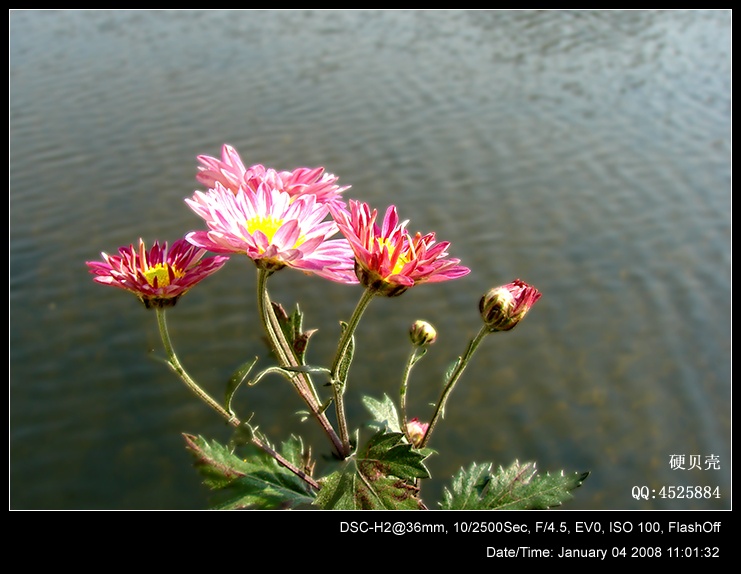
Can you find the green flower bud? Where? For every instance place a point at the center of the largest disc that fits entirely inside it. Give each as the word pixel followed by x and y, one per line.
pixel 422 334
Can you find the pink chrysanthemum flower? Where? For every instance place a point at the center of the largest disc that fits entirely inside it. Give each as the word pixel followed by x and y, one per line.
pixel 300 181
pixel 273 230
pixel 503 307
pixel 158 277
pixel 388 260
pixel 231 172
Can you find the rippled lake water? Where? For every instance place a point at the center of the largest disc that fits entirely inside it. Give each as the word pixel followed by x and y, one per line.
pixel 586 152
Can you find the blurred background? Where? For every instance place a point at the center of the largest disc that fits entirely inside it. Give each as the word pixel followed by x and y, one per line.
pixel 585 152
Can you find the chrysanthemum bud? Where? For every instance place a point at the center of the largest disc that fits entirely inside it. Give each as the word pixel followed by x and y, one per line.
pixel 503 307
pixel 416 431
pixel 422 333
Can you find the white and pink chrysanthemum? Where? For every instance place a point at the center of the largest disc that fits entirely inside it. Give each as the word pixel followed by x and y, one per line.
pixel 388 259
pixel 231 172
pixel 158 277
pixel 273 229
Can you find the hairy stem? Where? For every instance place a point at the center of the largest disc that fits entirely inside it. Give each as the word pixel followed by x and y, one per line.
pixel 338 379
pixel 414 356
pixel 287 357
pixel 454 377
pixel 177 367
pixel 174 363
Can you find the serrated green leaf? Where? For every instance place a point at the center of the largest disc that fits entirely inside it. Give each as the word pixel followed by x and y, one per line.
pixel 338 492
pixel 255 481
pixel 384 413
pixel 518 487
pixel 293 451
pixel 388 454
pixel 348 490
pixel 381 476
pixel 216 464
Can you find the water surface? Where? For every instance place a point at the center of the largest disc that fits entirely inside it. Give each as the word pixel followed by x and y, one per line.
pixel 586 152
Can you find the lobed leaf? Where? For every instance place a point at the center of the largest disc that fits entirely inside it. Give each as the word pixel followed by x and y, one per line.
pixel 381 476
pixel 388 454
pixel 385 415
pixel 348 490
pixel 517 487
pixel 256 481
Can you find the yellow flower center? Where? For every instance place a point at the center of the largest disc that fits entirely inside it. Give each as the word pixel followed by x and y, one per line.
pixel 160 272
pixel 269 225
pixel 403 259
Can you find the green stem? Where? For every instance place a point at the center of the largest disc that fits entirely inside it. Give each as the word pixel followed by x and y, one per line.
pixel 414 356
pixel 174 363
pixel 454 377
pixel 282 348
pixel 348 333
pixel 177 367
pixel 338 379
